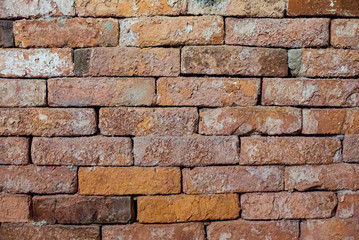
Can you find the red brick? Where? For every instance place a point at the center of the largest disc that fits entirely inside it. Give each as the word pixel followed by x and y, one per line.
pixel 181 208
pixel 331 121
pixel 101 91
pixel 97 150
pixel 247 120
pixel 39 8
pixel 248 8
pixel 289 150
pixel 6 35
pixel 188 231
pixel 288 205
pixel 129 180
pixel 351 148
pixel 71 32
pixel 324 62
pixel 36 62
pixel 65 209
pixel 290 33
pixel 234 60
pixel 55 232
pixel 333 229
pixel 14 208
pixel 47 121
pixel 127 61
pixel 348 205
pixel 227 179
pixel 22 93
pixel 253 230
pixel 329 177
pixel 171 31
pixel 40 180
pixel 195 150
pixel 345 33
pixel 145 121
pixel 14 150
pixel 211 92
pixel 129 8
pixel 323 7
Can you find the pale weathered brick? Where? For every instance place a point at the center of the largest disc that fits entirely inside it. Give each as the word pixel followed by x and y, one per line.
pixel 288 205
pixel 148 121
pixel 182 208
pixel 345 33
pixel 172 31
pixel 35 62
pixel 226 179
pixel 351 148
pixel 41 180
pixel 328 177
pixel 194 150
pixel 95 150
pixel 253 230
pixel 310 92
pixel 6 36
pixel 129 180
pixel 290 33
pixel 22 93
pixel 289 150
pixel 14 208
pixel 323 7
pixel 47 121
pixel 14 150
pixel 209 92
pixel 247 120
pixel 101 91
pixel 348 205
pixel 71 32
pixel 234 60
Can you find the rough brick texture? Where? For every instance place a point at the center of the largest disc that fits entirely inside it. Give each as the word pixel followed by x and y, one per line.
pixel 345 33
pixel 14 208
pixel 14 150
pixel 6 36
pixel 348 205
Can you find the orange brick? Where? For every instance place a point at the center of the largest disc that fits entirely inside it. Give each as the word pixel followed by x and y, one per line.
pixel 129 180
pixel 348 205
pixel 345 33
pixel 14 150
pixel 14 208
pixel 323 7
pixel 351 148
pixel 181 208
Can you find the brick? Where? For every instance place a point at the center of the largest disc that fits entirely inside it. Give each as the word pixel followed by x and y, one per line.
pixel 35 62
pixel 323 7
pixel 72 32
pixel 188 231
pixel 351 148
pixel 290 33
pixel 332 63
pixel 129 180
pixel 39 8
pixel 310 92
pixel 248 8
pixel 6 36
pixel 40 180
pixel 253 230
pixel 148 121
pixel 181 208
pixel 345 33
pixel 227 179
pixel 234 60
pixel 14 150
pixel 171 31
pixel 348 205
pixel 127 61
pixel 195 150
pixel 335 229
pixel 211 92
pixel 97 150
pixel 129 8
pixel 56 232
pixel 47 121
pixel 14 208
pixel 248 120
pixel 22 93
pixel 72 209
pixel 288 205
pixel 329 177
pixel 101 91
pixel 289 150
pixel 331 121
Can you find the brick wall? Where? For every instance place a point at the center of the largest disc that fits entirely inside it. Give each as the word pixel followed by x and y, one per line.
pixel 179 119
